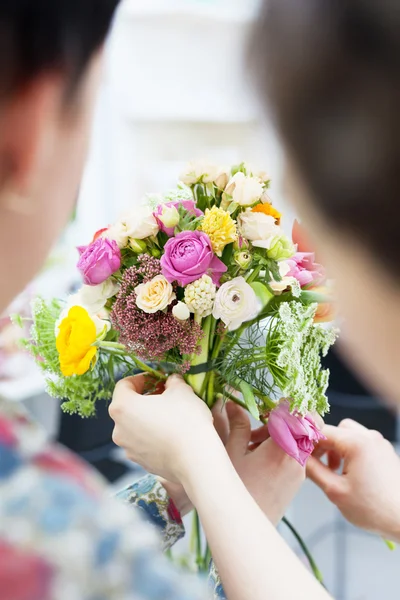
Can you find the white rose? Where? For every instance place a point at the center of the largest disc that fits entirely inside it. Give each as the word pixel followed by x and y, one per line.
pixel 154 295
pixel 181 311
pixel 140 223
pixel 236 303
pixel 258 228
pixel 118 233
pixel 244 190
pixel 205 172
pixel 94 297
pixel 102 326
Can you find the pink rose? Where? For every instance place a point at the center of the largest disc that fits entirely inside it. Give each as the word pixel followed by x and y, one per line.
pixel 302 266
pixel 188 205
pixel 189 256
pixel 99 260
pixel 295 434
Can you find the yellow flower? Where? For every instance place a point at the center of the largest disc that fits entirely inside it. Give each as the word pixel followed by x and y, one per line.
pixel 77 334
pixel 220 228
pixel 269 210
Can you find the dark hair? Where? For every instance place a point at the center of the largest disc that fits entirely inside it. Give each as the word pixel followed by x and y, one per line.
pixel 43 35
pixel 331 71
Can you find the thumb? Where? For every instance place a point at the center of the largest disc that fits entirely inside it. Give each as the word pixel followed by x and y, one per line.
pixel 240 429
pixel 175 382
pixel 330 482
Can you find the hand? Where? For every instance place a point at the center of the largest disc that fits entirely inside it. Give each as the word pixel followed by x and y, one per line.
pixel 269 474
pixel 164 432
pixel 368 491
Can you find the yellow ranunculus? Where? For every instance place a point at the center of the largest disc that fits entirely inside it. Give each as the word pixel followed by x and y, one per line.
pixel 77 334
pixel 220 228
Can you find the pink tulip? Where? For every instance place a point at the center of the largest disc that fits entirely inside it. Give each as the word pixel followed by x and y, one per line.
pixel 304 268
pixel 296 435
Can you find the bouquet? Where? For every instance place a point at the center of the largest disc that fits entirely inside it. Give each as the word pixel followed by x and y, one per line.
pixel 200 281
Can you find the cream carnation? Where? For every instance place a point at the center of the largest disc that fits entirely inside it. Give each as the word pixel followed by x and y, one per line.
pixel 154 295
pixel 235 303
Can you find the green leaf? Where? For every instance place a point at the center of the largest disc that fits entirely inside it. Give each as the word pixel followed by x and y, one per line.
pixel 391 545
pixel 232 207
pixel 227 255
pixel 262 293
pixel 201 197
pixel 249 399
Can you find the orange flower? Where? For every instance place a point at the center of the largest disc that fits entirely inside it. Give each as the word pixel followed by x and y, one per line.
pixel 269 210
pixel 326 311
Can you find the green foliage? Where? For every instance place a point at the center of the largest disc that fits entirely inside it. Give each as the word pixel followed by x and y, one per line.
pixel 80 392
pixel 282 357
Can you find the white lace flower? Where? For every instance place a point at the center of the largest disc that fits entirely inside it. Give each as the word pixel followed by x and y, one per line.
pixel 200 296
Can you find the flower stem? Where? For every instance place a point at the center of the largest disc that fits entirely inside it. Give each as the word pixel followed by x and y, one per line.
pixel 114 346
pixel 196 540
pixel 314 568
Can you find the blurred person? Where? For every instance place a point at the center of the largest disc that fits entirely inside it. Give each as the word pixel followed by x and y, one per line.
pixel 329 74
pixel 61 536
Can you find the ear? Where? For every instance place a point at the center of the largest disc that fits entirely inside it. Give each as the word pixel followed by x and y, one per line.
pixel 28 125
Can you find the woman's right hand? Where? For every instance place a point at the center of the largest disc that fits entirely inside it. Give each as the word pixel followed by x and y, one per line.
pixel 367 491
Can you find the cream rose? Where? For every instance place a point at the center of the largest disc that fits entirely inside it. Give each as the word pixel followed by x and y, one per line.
pixel 203 171
pixel 244 190
pixel 258 228
pixel 235 303
pixel 154 295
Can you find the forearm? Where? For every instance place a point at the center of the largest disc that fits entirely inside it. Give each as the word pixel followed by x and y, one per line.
pixel 251 557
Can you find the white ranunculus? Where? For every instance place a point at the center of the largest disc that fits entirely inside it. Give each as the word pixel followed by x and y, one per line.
pixel 258 228
pixel 235 303
pixel 181 311
pixel 140 223
pixel 154 295
pixel 117 232
pixel 94 297
pixel 244 190
pixel 205 172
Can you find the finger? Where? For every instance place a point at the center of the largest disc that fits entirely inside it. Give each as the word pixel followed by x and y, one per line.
pixel 221 422
pixel 258 436
pixel 174 382
pixel 334 461
pixel 330 483
pixel 240 429
pixel 340 440
pixel 137 384
pixel 350 424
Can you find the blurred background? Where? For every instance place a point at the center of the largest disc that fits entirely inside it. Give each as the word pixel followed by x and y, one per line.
pixel 175 88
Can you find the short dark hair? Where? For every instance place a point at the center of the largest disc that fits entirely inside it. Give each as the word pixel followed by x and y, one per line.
pixel 330 70
pixel 43 35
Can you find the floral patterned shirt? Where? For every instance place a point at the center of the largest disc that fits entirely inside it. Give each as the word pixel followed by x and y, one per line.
pixel 63 538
